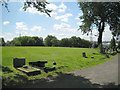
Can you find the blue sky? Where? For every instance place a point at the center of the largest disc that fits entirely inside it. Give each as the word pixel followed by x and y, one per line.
pixel 63 22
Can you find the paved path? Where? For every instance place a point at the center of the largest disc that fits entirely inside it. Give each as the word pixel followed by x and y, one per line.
pixel 102 73
pixel 99 76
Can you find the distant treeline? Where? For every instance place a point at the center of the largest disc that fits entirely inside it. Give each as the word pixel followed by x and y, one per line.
pixel 48 41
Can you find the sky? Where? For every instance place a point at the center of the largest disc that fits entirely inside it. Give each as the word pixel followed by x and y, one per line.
pixel 63 23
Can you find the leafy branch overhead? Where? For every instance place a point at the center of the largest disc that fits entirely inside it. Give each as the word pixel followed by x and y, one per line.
pixel 40 5
pixel 5 4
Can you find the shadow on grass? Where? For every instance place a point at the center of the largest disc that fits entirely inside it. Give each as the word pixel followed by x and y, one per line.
pixel 6 69
pixel 62 81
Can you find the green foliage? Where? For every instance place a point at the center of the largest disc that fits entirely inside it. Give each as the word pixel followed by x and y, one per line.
pixel 49 40
pixel 38 41
pixel 101 48
pixel 39 5
pixel 65 42
pixel 113 44
pixel 8 43
pixel 99 15
pixel 55 42
pixel 75 42
pixel 27 41
pixel 2 42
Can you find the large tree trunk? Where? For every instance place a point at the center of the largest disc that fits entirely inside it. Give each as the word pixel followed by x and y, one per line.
pixel 100 38
pixel 100 29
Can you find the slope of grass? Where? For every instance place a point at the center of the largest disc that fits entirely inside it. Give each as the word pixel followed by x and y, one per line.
pixel 63 56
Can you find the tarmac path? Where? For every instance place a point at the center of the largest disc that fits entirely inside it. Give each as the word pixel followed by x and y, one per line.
pixel 102 73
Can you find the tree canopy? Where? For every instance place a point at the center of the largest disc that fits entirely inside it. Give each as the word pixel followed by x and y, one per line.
pixel 27 41
pixel 48 41
pixel 100 14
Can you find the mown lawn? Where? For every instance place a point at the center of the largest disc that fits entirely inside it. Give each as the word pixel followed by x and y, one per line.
pixel 63 56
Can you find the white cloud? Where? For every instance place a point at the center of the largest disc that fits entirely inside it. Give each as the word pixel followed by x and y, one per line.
pixel 63 17
pixel 55 9
pixel 79 14
pixel 77 18
pixel 1 35
pixel 6 22
pixel 21 26
pixel 64 27
pixel 57 34
pixel 61 26
pixel 32 10
pixel 62 8
pixel 26 33
pixel 7 36
pixel 22 32
pixel 79 23
pixel 51 7
pixel 62 35
pixel 52 14
pixel 37 28
pixel 107 35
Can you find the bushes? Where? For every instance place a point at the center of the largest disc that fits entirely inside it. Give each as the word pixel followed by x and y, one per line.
pixel 49 41
pixel 27 41
pixel 113 44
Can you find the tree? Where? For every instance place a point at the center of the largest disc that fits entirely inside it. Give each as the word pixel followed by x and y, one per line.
pixel 74 41
pixel 2 42
pixel 48 40
pixel 65 42
pixel 55 42
pixel 113 44
pixel 27 41
pixel 99 15
pixel 8 43
pixel 30 41
pixel 15 42
pixel 86 43
pixel 38 41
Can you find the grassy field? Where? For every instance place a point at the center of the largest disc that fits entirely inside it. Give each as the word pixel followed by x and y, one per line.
pixel 63 56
